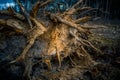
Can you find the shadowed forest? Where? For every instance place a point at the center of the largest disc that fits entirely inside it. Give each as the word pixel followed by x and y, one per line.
pixel 59 40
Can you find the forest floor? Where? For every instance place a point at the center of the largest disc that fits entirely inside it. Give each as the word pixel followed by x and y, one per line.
pixel 107 65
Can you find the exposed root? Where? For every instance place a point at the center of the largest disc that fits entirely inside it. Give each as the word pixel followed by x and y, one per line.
pixel 72 61
pixel 69 23
pixel 48 63
pixel 23 54
pixel 37 6
pixel 58 57
pixel 63 38
pixel 83 19
pixel 28 69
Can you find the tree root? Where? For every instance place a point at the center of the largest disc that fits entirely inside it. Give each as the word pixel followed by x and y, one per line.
pixel 59 39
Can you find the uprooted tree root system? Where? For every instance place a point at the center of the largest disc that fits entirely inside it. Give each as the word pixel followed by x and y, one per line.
pixel 59 39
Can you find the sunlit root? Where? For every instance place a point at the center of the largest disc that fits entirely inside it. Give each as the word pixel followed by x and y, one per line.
pixel 63 36
pixel 69 23
pixel 58 57
pixel 83 19
pixel 48 63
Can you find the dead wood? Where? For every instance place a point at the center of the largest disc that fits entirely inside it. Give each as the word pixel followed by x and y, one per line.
pixel 64 35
